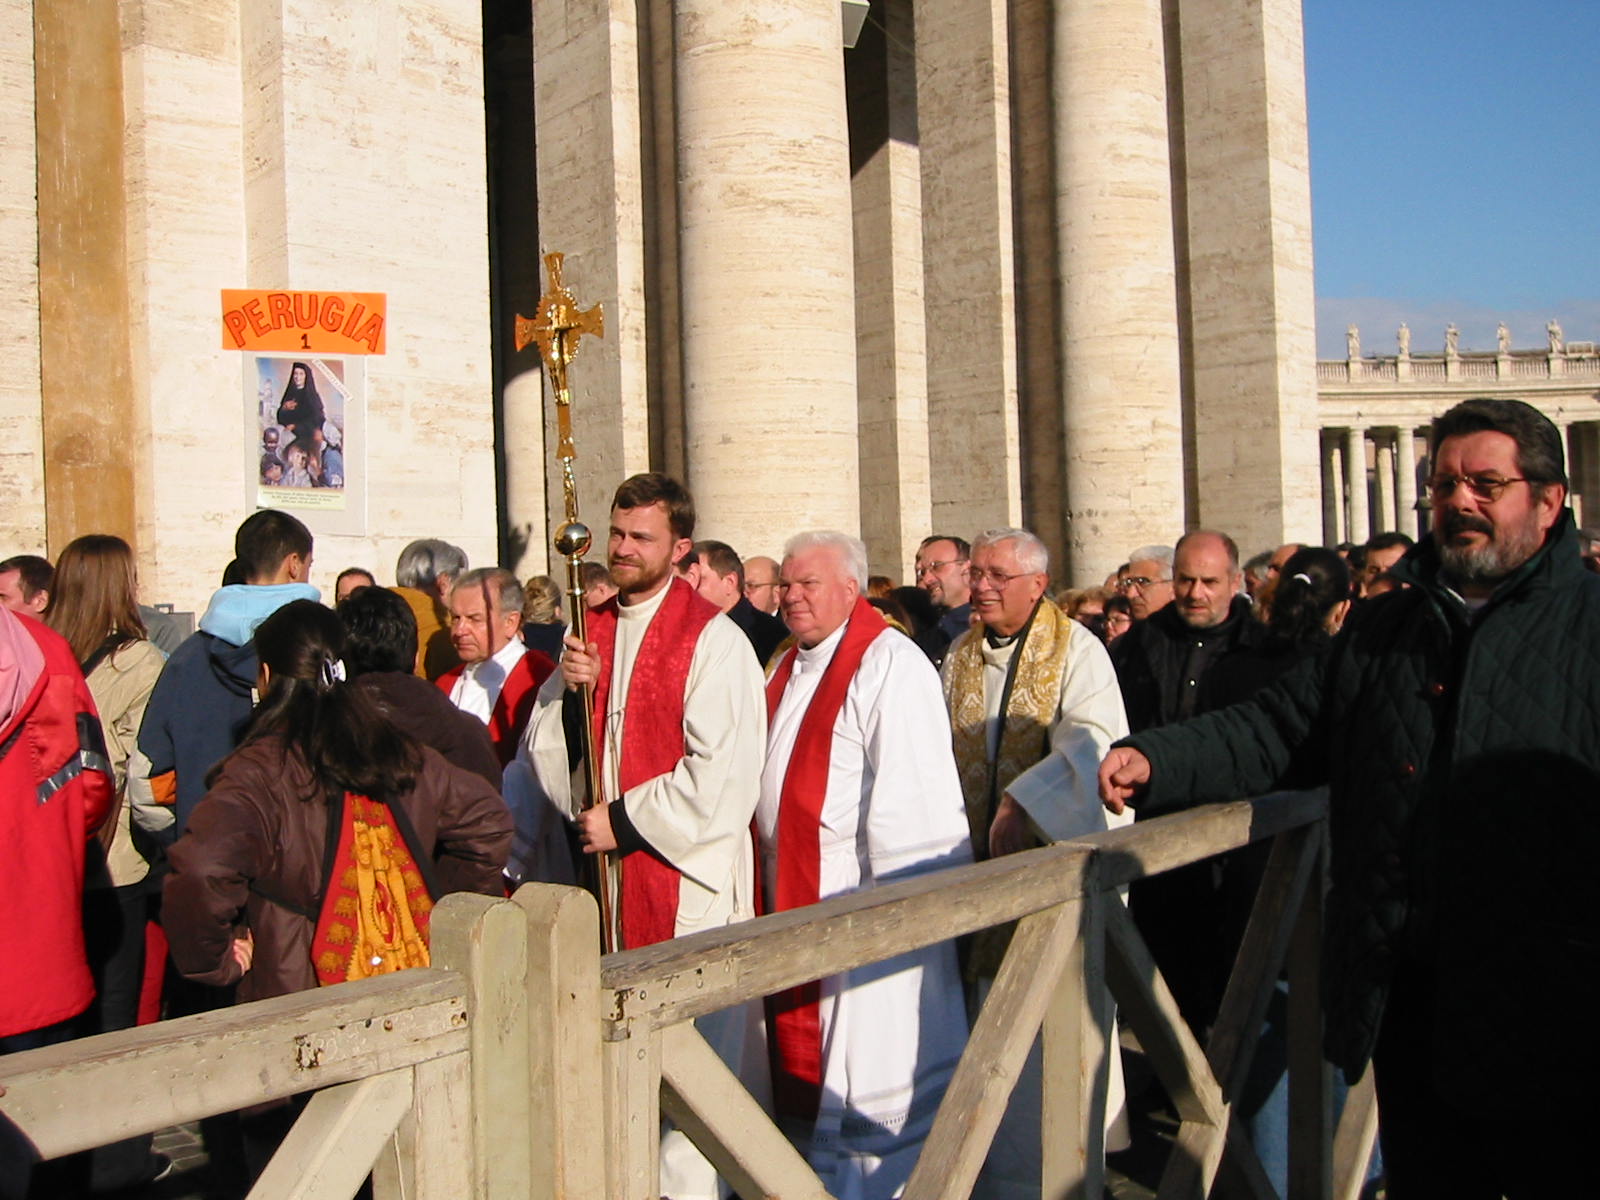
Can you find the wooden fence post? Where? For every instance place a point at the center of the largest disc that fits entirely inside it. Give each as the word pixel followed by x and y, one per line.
pixel 485 941
pixel 1310 1078
pixel 1076 1056
pixel 563 1074
pixel 430 1156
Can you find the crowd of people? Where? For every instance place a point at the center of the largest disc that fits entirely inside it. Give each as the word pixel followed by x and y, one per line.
pixel 278 801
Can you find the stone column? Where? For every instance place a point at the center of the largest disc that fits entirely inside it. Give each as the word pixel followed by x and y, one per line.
pixel 21 414
pixel 769 357
pixel 1405 492
pixel 1358 527
pixel 1247 188
pixel 1385 518
pixel 891 365
pixel 964 129
pixel 517 278
pixel 586 106
pixel 1121 403
pixel 93 448
pixel 1337 489
pixel 1332 489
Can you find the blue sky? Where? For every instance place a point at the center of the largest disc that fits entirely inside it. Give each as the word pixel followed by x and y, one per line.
pixel 1455 169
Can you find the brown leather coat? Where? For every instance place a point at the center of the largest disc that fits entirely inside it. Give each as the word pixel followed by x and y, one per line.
pixel 264 822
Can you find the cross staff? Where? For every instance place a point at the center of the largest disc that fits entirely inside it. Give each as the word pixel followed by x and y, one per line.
pixel 558 326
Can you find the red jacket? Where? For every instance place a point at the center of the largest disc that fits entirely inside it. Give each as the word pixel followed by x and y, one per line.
pixel 55 790
pixel 509 719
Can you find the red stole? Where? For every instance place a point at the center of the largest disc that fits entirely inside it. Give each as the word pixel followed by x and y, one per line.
pixel 796 1023
pixel 514 705
pixel 652 738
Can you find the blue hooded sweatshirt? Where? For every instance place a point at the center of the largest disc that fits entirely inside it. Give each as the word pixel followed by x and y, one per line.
pixel 202 702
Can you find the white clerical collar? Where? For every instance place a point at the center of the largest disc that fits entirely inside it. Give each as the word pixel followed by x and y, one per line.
pixel 998 655
pixel 505 658
pixel 819 656
pixel 643 610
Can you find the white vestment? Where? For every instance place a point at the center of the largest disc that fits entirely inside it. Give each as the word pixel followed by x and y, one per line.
pixel 1061 796
pixel 697 817
pixel 892 1032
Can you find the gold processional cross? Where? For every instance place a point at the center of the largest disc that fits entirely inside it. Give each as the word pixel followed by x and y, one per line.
pixel 558 325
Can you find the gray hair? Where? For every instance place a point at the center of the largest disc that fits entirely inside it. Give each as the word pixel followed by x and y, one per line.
pixel 1032 556
pixel 1160 554
pixel 852 551
pixel 423 561
pixel 502 581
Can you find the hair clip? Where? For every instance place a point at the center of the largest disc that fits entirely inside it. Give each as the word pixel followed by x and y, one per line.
pixel 1297 575
pixel 332 671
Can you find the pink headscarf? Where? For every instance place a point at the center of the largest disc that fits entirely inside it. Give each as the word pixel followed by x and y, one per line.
pixel 21 664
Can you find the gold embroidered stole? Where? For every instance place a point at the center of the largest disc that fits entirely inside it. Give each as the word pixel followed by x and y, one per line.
pixel 1029 702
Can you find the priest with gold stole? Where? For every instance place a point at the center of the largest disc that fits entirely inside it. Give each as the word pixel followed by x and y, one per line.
pixel 859 790
pixel 1034 706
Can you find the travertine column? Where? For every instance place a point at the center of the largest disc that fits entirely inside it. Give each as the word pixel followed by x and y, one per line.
pixel 1119 339
pixel 1384 519
pixel 1405 492
pixel 891 368
pixel 964 128
pixel 1332 490
pixel 591 208
pixel 186 234
pixel 1038 319
pixel 92 447
pixel 516 276
pixel 1358 527
pixel 1336 458
pixel 769 360
pixel 1251 297
pixel 21 415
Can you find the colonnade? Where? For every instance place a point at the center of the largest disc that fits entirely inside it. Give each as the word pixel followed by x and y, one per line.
pixel 832 310
pixel 1370 481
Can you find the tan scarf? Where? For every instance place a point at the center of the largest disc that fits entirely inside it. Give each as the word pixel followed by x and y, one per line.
pixel 1028 709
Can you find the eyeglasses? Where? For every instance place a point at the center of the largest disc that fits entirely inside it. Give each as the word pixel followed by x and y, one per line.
pixel 995 579
pixel 1481 487
pixel 934 567
pixel 1140 582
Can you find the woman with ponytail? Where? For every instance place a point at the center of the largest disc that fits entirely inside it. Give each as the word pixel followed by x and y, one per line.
pixel 322 780
pixel 1311 601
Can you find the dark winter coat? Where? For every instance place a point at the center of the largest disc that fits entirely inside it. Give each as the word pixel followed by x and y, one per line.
pixel 1464 757
pixel 264 823
pixel 1164 666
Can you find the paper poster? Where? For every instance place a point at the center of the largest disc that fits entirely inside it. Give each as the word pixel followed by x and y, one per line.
pixel 306 416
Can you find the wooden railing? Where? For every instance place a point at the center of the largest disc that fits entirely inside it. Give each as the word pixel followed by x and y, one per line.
pixel 523 1065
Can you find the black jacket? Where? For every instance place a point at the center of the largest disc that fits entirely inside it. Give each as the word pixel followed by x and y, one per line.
pixel 1464 758
pixel 764 630
pixel 1164 667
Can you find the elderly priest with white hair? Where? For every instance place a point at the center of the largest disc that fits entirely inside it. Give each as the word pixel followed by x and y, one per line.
pixel 859 789
pixel 1034 706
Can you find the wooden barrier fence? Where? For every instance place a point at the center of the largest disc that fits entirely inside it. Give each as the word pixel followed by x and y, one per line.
pixel 523 1066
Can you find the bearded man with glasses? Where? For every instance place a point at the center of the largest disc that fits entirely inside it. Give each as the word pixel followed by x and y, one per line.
pixel 1458 724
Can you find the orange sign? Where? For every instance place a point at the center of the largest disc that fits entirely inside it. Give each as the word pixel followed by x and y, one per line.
pixel 315 322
